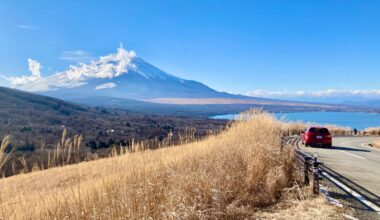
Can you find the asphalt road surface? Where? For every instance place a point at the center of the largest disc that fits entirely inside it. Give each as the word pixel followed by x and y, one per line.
pixel 354 159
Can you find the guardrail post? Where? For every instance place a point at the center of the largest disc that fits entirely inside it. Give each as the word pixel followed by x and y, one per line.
pixel 315 183
pixel 310 169
pixel 306 173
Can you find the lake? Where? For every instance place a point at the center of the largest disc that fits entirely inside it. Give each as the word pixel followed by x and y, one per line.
pixel 357 120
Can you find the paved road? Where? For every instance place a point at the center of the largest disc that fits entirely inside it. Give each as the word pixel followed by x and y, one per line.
pixel 354 159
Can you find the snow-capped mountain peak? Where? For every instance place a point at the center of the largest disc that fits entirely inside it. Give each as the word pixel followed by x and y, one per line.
pixel 121 74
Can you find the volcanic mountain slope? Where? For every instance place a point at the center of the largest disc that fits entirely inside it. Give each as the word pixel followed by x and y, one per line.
pixel 121 75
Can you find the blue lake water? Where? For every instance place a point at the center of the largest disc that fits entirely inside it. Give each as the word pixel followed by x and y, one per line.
pixel 357 120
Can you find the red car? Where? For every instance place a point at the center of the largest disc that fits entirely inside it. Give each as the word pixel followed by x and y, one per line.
pixel 317 136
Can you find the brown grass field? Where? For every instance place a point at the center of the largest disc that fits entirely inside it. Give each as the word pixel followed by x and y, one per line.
pixel 244 172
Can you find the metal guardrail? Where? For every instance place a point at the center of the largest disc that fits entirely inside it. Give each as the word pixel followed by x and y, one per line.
pixel 310 166
pixel 311 170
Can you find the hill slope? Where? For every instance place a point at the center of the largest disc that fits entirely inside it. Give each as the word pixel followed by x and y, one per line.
pixel 11 99
pixel 32 119
pixel 228 176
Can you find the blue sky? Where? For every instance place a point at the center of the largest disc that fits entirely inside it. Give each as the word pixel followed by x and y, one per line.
pixel 235 46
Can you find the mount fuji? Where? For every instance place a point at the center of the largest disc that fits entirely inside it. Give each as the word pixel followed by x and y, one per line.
pixel 120 75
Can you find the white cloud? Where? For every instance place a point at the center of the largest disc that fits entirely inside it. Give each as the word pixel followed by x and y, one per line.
pixel 328 93
pixel 34 68
pixel 106 86
pixel 76 56
pixel 105 67
pixel 108 66
pixel 27 27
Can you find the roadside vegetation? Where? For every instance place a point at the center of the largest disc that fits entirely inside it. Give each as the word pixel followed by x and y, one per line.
pixel 372 131
pixel 376 143
pixel 246 171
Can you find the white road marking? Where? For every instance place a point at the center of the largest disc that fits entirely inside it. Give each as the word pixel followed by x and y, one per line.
pixel 354 155
pixel 353 193
pixel 330 199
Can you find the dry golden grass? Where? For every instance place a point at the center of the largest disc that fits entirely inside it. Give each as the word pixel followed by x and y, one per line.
pixel 376 143
pixel 372 131
pixel 4 155
pixel 316 208
pixel 297 203
pixel 246 165
pixel 66 151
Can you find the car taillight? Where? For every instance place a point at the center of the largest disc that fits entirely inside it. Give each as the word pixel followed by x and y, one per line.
pixel 328 136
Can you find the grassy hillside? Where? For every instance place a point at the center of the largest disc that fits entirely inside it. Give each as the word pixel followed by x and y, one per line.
pixel 232 175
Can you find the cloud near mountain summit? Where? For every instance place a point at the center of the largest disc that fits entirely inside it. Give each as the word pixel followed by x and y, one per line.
pixel 34 68
pixel 108 66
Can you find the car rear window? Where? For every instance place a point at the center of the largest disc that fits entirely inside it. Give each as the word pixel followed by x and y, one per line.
pixel 319 130
pixel 323 131
pixel 312 129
